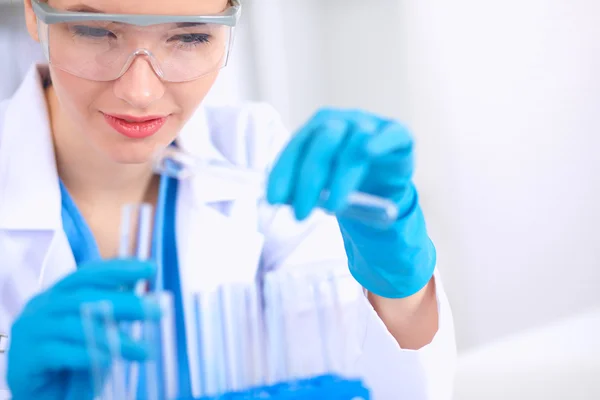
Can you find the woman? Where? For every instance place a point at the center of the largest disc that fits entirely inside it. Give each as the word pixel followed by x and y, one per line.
pixel 126 78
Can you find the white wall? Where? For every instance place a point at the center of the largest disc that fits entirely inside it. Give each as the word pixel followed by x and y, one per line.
pixel 504 99
pixel 520 95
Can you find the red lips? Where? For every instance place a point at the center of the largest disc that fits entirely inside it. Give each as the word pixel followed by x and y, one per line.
pixel 136 127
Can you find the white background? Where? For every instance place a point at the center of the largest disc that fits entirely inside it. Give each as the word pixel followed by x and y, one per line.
pixel 504 100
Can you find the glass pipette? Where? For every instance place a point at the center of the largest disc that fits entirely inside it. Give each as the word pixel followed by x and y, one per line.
pixel 365 208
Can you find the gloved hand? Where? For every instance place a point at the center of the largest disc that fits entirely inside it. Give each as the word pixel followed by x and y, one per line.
pixel 48 358
pixel 348 151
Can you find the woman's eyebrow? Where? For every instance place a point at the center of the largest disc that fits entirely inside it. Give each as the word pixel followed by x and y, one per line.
pixel 189 24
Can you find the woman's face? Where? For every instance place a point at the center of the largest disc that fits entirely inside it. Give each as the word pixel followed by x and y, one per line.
pixel 127 119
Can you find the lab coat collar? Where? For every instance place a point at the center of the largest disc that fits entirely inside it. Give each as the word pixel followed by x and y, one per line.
pixel 30 196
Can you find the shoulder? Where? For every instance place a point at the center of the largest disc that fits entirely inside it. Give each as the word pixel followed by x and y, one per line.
pixel 249 133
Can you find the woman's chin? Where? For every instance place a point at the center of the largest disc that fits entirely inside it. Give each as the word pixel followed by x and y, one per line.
pixel 134 153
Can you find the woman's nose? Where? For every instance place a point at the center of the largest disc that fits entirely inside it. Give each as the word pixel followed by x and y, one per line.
pixel 139 86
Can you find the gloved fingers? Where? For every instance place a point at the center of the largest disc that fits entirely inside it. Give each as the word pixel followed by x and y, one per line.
pixel 352 160
pixel 82 385
pixel 282 178
pixel 121 345
pixel 392 160
pixel 281 181
pixel 93 333
pixel 316 159
pixel 364 122
pixel 61 355
pixel 107 274
pixel 391 137
pixel 121 306
pixel 117 343
pixel 351 168
pixel 389 175
pixel 315 166
pixel 36 304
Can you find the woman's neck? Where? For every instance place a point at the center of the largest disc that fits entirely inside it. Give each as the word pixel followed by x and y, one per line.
pixel 91 177
pixel 99 186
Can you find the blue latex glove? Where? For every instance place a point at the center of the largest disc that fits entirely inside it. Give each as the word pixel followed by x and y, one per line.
pixel 48 358
pixel 348 151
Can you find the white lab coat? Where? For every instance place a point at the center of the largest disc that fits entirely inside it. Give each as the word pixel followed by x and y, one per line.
pixel 222 235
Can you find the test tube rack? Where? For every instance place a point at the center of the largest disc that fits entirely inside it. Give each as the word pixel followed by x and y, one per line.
pixel 329 387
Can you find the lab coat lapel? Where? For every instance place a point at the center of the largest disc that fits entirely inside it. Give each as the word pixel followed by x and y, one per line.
pixel 217 232
pixel 34 251
pixel 218 242
pixel 217 225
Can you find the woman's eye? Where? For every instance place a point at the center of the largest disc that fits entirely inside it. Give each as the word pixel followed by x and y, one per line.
pixel 191 38
pixel 88 31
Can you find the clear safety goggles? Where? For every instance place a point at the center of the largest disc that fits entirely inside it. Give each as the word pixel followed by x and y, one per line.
pixel 102 47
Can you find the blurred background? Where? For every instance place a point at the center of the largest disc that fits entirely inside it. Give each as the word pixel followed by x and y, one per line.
pixel 503 98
